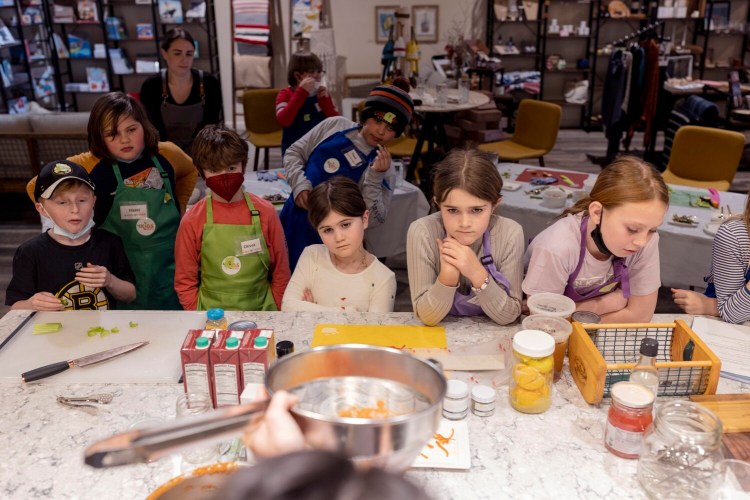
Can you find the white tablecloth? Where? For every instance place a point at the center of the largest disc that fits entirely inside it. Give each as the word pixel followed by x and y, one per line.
pixel 685 252
pixel 386 240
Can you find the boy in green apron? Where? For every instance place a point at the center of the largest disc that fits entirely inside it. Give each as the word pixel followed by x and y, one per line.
pixel 230 250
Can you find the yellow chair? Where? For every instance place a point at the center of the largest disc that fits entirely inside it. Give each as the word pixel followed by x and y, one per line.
pixel 704 157
pixel 537 124
pixel 263 130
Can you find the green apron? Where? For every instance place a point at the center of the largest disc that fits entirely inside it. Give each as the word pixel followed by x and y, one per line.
pixel 147 220
pixel 234 265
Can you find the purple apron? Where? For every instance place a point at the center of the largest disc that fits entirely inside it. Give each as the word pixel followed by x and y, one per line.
pixel 621 276
pixel 461 305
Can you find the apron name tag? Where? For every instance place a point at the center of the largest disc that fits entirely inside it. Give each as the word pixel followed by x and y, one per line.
pixel 134 212
pixel 250 246
pixel 353 157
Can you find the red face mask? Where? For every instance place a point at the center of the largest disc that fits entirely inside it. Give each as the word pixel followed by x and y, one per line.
pixel 226 185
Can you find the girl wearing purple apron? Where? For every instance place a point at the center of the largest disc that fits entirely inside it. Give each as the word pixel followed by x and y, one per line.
pixel 464 260
pixel 611 265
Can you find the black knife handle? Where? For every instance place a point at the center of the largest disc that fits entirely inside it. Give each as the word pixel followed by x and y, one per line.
pixel 45 371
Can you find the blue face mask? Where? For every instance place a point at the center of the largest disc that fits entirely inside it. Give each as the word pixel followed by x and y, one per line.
pixel 120 160
pixel 60 231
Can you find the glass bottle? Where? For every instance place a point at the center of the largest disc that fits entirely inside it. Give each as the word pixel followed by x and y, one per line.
pixel 645 372
pixel 680 451
pixel 628 417
pixel 215 319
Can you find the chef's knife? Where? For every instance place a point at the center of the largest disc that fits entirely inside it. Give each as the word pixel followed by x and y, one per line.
pixel 91 359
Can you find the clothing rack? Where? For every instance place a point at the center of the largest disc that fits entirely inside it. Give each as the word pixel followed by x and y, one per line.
pixel 638 33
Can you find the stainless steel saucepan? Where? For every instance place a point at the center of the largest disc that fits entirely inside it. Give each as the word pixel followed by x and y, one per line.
pixel 330 381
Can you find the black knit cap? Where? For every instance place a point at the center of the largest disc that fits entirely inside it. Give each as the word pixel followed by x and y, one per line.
pixel 389 99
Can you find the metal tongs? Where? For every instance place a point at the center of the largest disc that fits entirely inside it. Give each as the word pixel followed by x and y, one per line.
pixel 146 445
pixel 82 401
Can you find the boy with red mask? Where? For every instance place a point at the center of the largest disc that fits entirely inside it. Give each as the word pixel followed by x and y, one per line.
pixel 230 250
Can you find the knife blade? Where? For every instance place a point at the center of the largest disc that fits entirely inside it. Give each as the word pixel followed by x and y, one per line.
pixel 91 359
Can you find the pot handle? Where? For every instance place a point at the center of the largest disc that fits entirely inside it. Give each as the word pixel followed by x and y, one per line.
pixel 145 445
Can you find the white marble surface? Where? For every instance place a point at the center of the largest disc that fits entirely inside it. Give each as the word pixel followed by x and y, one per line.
pixel 558 454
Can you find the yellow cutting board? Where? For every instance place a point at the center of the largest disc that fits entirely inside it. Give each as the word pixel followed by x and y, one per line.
pixel 732 409
pixel 398 336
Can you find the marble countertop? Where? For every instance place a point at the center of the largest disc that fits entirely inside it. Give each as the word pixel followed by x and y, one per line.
pixel 557 454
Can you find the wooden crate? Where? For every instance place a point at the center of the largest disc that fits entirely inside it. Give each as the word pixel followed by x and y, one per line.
pixel 601 355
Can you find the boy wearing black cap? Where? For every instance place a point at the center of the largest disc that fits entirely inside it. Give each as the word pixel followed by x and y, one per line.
pixel 338 146
pixel 72 265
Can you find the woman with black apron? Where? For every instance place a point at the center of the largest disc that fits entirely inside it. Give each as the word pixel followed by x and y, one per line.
pixel 181 100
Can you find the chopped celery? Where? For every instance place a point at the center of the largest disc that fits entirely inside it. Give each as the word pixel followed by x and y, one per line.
pixel 115 330
pixel 133 324
pixel 40 328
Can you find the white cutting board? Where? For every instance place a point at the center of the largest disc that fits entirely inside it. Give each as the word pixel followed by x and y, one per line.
pixel 159 361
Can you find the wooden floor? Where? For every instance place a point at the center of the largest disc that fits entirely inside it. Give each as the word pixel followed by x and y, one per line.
pixel 19 220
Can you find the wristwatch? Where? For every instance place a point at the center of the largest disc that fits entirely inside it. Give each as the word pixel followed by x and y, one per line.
pixel 482 286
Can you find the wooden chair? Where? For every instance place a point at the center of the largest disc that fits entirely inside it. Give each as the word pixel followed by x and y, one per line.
pixel 263 130
pixel 704 157
pixel 537 124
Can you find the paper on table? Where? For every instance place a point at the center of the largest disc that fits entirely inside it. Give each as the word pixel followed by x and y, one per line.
pixel 457 448
pixel 398 336
pixel 731 343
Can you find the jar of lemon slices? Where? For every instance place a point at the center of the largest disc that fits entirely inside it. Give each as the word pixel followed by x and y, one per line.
pixel 532 373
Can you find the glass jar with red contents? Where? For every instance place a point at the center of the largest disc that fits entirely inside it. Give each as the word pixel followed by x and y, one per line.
pixel 629 416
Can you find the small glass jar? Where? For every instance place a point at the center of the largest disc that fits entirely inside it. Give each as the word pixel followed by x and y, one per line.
pixel 456 400
pixel 531 381
pixel 629 416
pixel 680 451
pixel 483 400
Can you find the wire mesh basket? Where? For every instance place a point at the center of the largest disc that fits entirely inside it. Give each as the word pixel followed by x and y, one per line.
pixel 601 355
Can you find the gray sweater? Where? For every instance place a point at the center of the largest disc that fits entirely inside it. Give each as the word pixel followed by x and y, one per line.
pixel 432 300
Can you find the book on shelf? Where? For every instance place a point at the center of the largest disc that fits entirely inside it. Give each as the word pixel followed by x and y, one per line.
pixel 144 31
pixel 97 79
pixel 59 46
pixel 31 15
pixel 6 37
pixel 43 81
pixel 100 51
pixel 79 46
pixel 120 63
pixel 6 73
pixel 63 14
pixel 18 106
pixel 170 11
pixel 87 12
pixel 7 3
pixel 115 28
pixel 197 11
pixel 146 63
pixel 35 50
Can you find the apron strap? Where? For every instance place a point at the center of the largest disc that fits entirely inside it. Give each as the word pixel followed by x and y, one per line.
pixel 621 273
pixel 118 175
pixel 164 90
pixel 202 88
pixel 489 263
pixel 164 175
pixel 582 252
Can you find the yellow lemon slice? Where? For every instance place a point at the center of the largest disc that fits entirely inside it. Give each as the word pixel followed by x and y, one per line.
pixel 544 365
pixel 527 377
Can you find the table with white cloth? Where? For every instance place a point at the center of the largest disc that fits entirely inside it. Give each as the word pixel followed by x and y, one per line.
pixel 384 240
pixel 685 252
